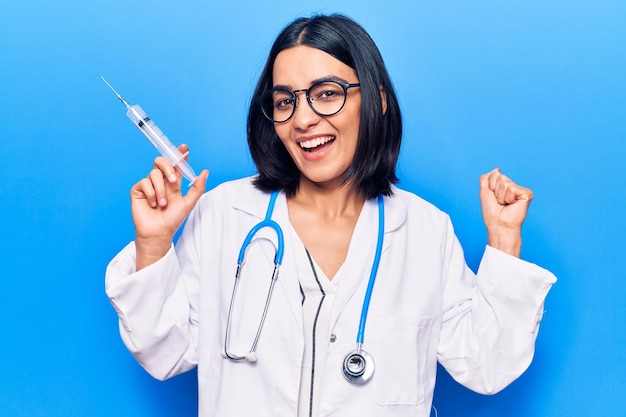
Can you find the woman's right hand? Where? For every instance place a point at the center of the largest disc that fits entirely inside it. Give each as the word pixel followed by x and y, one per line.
pixel 159 208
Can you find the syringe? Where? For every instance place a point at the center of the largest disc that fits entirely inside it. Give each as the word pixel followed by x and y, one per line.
pixel 157 137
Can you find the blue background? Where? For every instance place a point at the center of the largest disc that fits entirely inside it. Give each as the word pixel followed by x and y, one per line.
pixel 537 88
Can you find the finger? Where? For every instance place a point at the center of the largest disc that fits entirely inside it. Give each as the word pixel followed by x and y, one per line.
pixel 169 171
pixel 505 190
pixel 487 185
pixel 487 180
pixel 156 177
pixel 500 188
pixel 183 148
pixel 493 178
pixel 509 196
pixel 519 193
pixel 508 192
pixel 144 189
pixel 484 182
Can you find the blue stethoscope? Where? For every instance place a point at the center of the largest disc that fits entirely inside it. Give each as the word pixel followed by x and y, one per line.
pixel 358 365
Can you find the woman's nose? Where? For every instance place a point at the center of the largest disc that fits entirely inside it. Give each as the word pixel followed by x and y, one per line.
pixel 304 116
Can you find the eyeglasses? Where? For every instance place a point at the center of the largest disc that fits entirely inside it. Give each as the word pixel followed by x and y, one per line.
pixel 326 98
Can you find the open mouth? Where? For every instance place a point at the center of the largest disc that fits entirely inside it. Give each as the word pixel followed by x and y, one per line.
pixel 316 143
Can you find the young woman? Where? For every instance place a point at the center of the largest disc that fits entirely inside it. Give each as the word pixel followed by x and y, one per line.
pixel 362 261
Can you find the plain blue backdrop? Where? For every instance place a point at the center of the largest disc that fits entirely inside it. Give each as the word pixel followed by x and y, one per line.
pixel 537 88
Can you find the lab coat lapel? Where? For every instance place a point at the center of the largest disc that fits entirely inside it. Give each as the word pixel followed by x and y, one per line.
pixel 288 277
pixel 255 204
pixel 358 263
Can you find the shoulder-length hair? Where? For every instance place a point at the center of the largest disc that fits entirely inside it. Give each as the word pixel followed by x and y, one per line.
pixel 380 133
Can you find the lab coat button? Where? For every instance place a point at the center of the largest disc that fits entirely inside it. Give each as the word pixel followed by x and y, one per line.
pixel 333 337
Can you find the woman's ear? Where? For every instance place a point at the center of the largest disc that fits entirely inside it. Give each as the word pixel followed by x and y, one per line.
pixel 383 99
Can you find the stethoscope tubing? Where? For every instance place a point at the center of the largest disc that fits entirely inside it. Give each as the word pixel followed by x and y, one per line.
pixel 360 336
pixel 267 222
pixel 278 259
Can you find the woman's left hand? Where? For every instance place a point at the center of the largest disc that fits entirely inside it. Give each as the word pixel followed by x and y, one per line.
pixel 504 206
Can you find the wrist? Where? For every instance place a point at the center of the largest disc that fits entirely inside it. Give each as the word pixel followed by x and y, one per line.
pixel 507 240
pixel 148 251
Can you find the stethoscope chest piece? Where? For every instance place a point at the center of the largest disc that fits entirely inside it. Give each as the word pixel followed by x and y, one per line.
pixel 358 366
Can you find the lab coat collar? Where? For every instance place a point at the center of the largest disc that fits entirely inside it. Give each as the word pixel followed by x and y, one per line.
pixel 254 201
pixel 255 204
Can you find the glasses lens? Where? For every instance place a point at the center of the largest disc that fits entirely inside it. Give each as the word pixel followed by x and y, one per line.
pixel 327 97
pixel 278 104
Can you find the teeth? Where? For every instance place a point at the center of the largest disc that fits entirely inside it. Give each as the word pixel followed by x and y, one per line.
pixel 314 143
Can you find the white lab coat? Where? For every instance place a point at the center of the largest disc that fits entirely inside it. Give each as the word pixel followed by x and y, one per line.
pixel 427 306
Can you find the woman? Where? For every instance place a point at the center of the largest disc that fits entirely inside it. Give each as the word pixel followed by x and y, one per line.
pixel 324 130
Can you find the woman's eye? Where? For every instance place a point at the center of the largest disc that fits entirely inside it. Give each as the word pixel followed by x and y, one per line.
pixel 283 104
pixel 328 95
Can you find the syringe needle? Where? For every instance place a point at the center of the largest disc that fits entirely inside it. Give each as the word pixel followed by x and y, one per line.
pixel 116 93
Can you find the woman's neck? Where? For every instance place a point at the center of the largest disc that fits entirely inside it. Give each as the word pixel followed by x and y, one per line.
pixel 324 218
pixel 329 201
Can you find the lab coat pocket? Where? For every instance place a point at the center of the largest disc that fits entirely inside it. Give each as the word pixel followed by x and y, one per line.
pixel 401 346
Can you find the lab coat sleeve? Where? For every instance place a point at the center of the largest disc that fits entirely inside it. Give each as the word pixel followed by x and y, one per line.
pixel 490 320
pixel 155 310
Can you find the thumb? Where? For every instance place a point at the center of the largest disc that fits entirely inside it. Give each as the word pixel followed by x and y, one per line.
pixel 197 189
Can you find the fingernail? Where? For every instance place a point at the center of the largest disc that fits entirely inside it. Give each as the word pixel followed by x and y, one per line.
pixel 163 201
pixel 172 178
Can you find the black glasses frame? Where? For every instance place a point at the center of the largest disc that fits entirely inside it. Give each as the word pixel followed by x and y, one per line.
pixel 269 93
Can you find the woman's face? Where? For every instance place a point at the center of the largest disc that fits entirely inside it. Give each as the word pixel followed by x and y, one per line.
pixel 322 147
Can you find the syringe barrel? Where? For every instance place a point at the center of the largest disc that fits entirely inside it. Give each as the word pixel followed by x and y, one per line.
pixel 151 131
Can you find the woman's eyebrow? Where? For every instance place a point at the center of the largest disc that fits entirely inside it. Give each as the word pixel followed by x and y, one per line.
pixel 324 78
pixel 330 78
